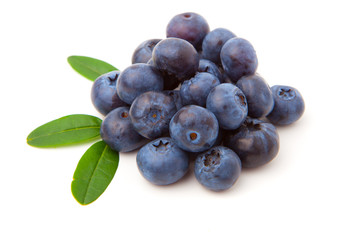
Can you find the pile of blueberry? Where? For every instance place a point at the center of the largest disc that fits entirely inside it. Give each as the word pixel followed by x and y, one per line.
pixel 194 95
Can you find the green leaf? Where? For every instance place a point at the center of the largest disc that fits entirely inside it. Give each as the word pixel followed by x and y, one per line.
pixel 90 68
pixel 67 130
pixel 94 172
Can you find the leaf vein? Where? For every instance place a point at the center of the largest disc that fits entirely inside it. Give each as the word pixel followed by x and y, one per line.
pixel 63 131
pixel 94 171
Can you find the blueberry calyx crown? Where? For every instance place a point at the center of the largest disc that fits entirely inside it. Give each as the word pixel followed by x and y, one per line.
pixel 241 99
pixel 252 126
pixel 161 145
pixel 124 114
pixel 187 15
pixel 286 93
pixel 212 158
pixel 193 136
pixel 113 79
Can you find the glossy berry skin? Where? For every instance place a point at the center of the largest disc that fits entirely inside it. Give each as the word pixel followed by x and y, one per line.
pixel 195 90
pixel 238 58
pixel 137 79
pixel 288 105
pixel 213 43
pixel 162 162
pixel 144 51
pixel 151 113
pixel 256 142
pixel 103 94
pixel 229 105
pixel 210 67
pixel 188 26
pixel 218 168
pixel 176 59
pixel 258 94
pixel 117 131
pixel 176 97
pixel 194 128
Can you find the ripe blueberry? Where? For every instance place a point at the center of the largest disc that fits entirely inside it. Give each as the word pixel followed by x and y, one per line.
pixel 194 128
pixel 151 113
pixel 144 51
pixel 255 142
pixel 176 59
pixel 103 94
pixel 117 131
pixel 218 168
pixel 238 58
pixel 195 90
pixel 288 105
pixel 229 105
pixel 258 94
pixel 137 79
pixel 188 26
pixel 162 162
pixel 213 43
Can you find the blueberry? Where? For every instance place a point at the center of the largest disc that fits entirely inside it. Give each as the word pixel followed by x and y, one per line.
pixel 258 94
pixel 238 58
pixel 229 105
pixel 117 131
pixel 213 43
pixel 210 67
pixel 176 97
pixel 103 95
pixel 162 162
pixel 176 58
pixel 188 26
pixel 256 142
pixel 218 168
pixel 137 79
pixel 144 51
pixel 288 105
pixel 151 113
pixel 194 128
pixel 195 90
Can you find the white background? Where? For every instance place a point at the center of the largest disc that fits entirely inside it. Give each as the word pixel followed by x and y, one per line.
pixel 302 194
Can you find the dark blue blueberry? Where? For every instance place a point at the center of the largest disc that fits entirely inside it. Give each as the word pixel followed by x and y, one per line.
pixel 117 131
pixel 210 67
pixel 195 90
pixel 144 51
pixel 194 128
pixel 255 142
pixel 176 58
pixel 188 26
pixel 288 105
pixel 176 97
pixel 218 168
pixel 238 58
pixel 162 162
pixel 137 79
pixel 258 94
pixel 103 94
pixel 213 43
pixel 151 113
pixel 229 105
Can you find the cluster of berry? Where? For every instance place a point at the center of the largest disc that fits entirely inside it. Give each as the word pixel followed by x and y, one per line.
pixel 195 94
